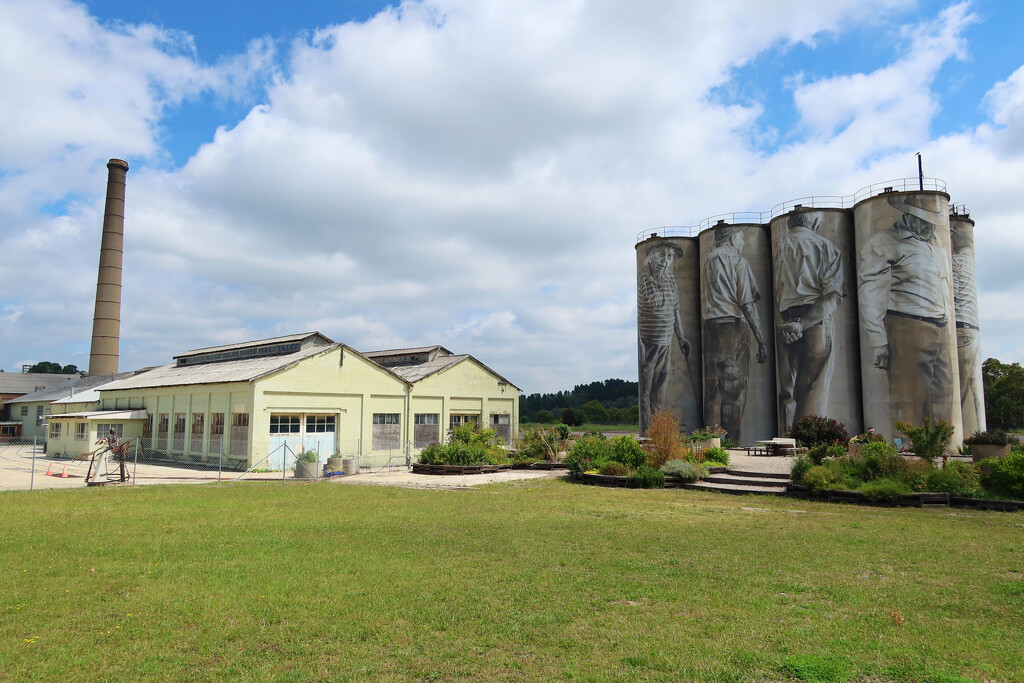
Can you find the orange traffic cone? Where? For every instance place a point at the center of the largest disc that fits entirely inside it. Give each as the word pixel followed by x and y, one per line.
pixel 64 474
pixel 49 470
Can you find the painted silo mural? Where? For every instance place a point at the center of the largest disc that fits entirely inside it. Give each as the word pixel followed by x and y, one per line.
pixel 816 337
pixel 668 325
pixel 736 310
pixel 968 333
pixel 862 311
pixel 909 368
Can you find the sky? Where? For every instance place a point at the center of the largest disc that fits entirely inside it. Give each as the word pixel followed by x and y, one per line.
pixel 466 173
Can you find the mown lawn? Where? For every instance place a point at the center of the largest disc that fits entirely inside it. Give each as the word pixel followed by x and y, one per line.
pixel 528 581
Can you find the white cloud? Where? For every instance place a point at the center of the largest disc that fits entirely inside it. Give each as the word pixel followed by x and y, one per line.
pixel 455 172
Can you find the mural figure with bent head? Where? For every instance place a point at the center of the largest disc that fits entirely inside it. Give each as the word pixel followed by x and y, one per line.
pixel 808 288
pixel 728 295
pixel 658 321
pixel 905 287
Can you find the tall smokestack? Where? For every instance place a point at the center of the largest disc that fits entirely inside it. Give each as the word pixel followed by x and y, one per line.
pixel 106 320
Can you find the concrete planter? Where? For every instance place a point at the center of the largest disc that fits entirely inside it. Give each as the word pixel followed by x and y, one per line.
pixel 854 449
pixel 704 444
pixel 335 465
pixel 982 451
pixel 306 470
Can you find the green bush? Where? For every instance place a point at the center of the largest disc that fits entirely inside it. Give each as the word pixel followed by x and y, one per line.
pixel 540 444
pixel 716 455
pixel 614 468
pixel 626 450
pixel 687 471
pixel 466 446
pixel 930 439
pixel 587 453
pixel 1004 476
pixel 992 437
pixel 884 489
pixel 307 457
pixel 545 417
pixel 811 430
pixel 956 478
pixel 802 463
pixel 878 448
pixel 822 478
pixel 818 453
pixel 647 478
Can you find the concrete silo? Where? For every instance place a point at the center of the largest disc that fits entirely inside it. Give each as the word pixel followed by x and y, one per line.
pixel 909 368
pixel 968 339
pixel 817 341
pixel 736 311
pixel 668 325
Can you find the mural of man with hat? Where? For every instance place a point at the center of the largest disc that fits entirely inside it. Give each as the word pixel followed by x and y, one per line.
pixel 905 290
pixel 808 288
pixel 658 321
pixel 728 294
pixel 968 340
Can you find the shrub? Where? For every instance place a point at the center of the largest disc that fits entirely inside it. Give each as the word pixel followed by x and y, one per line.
pixel 664 440
pixel 878 448
pixel 545 417
pixel 884 489
pixel 307 457
pixel 687 471
pixel 992 437
pixel 541 444
pixel 956 478
pixel 614 468
pixel 800 466
pixel 587 453
pixel 869 436
pixel 930 439
pixel 716 455
pixel 466 446
pixel 818 453
pixel 822 478
pixel 564 431
pixel 626 450
pixel 811 430
pixel 1004 476
pixel 648 478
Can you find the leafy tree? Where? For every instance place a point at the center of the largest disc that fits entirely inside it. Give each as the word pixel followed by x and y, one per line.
pixel 545 417
pixel 1004 394
pixel 49 367
pixel 572 417
pixel 596 413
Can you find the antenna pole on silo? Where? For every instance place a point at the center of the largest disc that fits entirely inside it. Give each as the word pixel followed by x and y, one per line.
pixel 106 320
pixel 920 173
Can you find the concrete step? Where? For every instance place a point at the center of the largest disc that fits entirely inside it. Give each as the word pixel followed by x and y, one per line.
pixel 757 475
pixel 737 488
pixel 744 481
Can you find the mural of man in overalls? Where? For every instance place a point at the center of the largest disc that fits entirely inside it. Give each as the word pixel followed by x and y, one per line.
pixel 808 288
pixel 658 321
pixel 968 340
pixel 905 291
pixel 728 295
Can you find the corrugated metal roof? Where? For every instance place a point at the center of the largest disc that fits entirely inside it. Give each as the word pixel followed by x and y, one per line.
pixel 26 382
pixel 101 415
pixel 414 373
pixel 257 342
pixel 215 373
pixel 80 384
pixel 417 371
pixel 402 352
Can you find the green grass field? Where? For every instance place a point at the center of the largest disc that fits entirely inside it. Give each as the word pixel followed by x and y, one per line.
pixel 540 580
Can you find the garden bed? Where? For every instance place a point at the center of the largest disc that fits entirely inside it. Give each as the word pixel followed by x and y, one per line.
pixel 621 482
pixel 923 499
pixel 539 466
pixel 421 468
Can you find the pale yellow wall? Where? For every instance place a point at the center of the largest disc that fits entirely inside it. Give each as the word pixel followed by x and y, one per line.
pixel 68 445
pixel 468 388
pixel 349 387
pixel 187 399
pixel 29 428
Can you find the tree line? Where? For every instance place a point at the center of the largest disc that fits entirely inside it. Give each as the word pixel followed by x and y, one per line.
pixel 612 401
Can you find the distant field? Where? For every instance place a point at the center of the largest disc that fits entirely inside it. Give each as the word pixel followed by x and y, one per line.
pixel 532 581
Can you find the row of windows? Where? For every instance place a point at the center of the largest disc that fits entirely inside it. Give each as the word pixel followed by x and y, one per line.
pixel 292 424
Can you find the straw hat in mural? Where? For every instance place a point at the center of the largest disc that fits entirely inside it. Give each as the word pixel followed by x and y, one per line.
pixel 914 206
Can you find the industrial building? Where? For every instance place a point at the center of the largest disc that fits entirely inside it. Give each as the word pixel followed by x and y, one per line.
pixel 243 402
pixel 862 308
